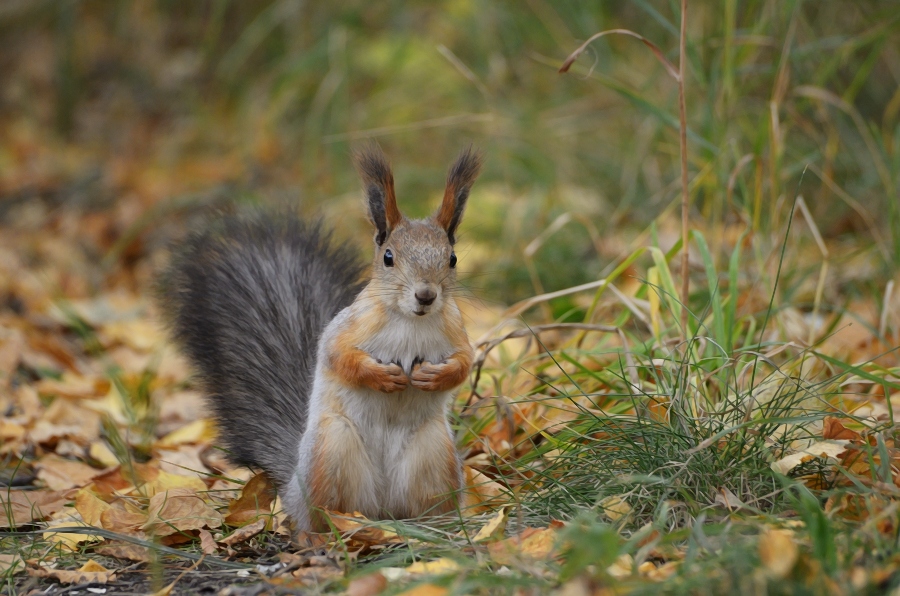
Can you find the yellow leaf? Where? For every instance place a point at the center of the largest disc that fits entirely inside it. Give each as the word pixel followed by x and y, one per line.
pixel 778 552
pixel 198 431
pixel 615 508
pixel 93 566
pixel 103 454
pixel 440 566
pixel 168 481
pixel 68 518
pixel 494 528
pixel 622 567
pixel 89 505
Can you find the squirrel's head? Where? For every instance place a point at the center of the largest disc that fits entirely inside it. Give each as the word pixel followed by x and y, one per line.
pixel 414 265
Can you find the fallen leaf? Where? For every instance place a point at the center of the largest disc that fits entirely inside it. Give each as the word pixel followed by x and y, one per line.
pixel 436 567
pixel 101 452
pixel 833 429
pixel 481 493
pixel 360 531
pixel 67 518
pixel 61 474
pixel 179 510
pixel 246 533
pixel 255 500
pixel 73 386
pixel 615 508
pixel 728 499
pixel 778 552
pixel 166 481
pixel 91 573
pixel 90 506
pixel 117 519
pixel 198 431
pixel 533 543
pixel 128 552
pixel 493 529
pixel 622 567
pixel 822 449
pixel 367 585
pixel 11 564
pixel 208 543
pixel 29 505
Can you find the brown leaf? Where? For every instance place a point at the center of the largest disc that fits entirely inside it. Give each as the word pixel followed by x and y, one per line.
pixel 128 552
pixel 208 543
pixel 179 510
pixel 61 474
pixel 256 499
pixel 246 533
pixel 11 562
pixel 90 573
pixel 117 519
pixel 532 543
pixel 27 506
pixel 367 585
pixel 359 531
pixel 833 429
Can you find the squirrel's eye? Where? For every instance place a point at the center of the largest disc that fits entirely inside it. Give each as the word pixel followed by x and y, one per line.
pixel 388 258
pixel 452 260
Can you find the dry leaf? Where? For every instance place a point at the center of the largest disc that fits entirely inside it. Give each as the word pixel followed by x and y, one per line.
pixel 29 505
pixel 117 519
pixel 179 510
pixel 208 543
pixel 481 492
pixel 822 449
pixel 493 529
pixel 11 563
pixel 778 552
pixel 833 429
pixel 91 573
pixel 68 517
pixel 255 500
pixel 367 585
pixel 437 567
pixel 62 474
pixel 90 506
pixel 615 508
pixel 360 531
pixel 198 431
pixel 165 481
pixel 128 552
pixel 621 567
pixel 246 533
pixel 728 499
pixel 532 543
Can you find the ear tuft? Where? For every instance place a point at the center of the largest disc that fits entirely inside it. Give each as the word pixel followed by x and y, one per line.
pixel 375 171
pixel 460 178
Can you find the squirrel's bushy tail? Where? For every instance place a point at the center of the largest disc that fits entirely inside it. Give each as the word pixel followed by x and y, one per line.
pixel 247 299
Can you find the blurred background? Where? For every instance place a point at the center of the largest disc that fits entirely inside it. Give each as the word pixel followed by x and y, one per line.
pixel 123 122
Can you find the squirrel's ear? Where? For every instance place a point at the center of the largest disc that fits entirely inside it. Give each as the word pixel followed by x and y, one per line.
pixel 459 180
pixel 375 171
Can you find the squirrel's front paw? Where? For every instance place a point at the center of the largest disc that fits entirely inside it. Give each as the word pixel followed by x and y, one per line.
pixel 388 378
pixel 434 377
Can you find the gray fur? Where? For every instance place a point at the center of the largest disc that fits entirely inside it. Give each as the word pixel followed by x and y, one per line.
pixel 248 299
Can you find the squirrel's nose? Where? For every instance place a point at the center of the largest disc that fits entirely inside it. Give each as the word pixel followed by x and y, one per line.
pixel 426 296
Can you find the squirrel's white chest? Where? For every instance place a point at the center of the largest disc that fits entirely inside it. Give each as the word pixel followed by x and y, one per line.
pixel 408 340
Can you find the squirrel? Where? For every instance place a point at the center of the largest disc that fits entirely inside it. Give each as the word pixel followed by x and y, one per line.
pixel 338 389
